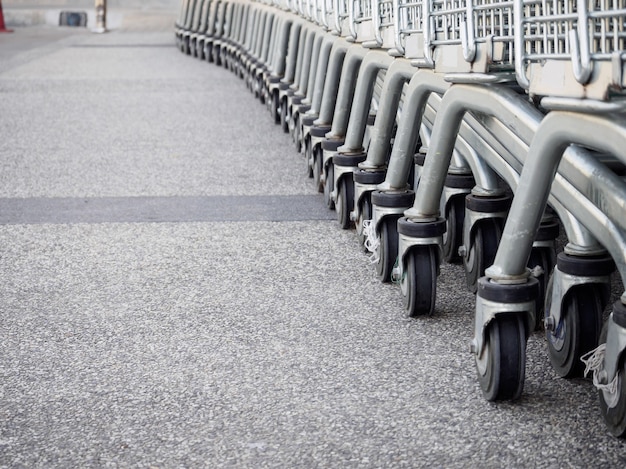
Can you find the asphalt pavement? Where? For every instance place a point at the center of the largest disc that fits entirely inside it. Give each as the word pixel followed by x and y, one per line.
pixel 174 293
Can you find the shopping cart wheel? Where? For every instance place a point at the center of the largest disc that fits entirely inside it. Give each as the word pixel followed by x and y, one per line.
pixel 578 330
pixel 284 121
pixel 345 200
pixel 388 248
pixel 329 183
pixel 217 56
pixel 482 250
pixel 365 213
pixel 261 95
pixel 419 281
pixel 545 259
pixel 501 366
pixel 308 157
pixel 318 158
pixel 453 237
pixel 275 108
pixel 297 136
pixel 613 404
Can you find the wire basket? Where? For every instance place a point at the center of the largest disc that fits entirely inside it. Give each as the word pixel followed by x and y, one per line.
pixel 360 14
pixel 571 49
pixel 456 35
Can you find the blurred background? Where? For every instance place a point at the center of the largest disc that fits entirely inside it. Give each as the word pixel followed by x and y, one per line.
pixel 121 14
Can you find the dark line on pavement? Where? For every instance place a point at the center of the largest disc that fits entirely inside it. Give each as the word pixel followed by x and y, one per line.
pixel 41 210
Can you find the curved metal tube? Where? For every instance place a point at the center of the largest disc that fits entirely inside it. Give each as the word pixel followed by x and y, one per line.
pixel 501 102
pixel 468 42
pixel 347 84
pixel 557 132
pixel 267 37
pixel 373 62
pixel 320 75
pixel 420 87
pixel 352 20
pixel 581 241
pixel 399 72
pixel 521 119
pixel 579 46
pixel 333 77
pixel 298 57
pixel 315 55
pixel 428 29
pixel 270 51
pixel 397 27
pixel 281 48
pixel 575 171
pixel 336 18
pixel 306 66
pixel 518 43
pixel 376 22
pixel 323 14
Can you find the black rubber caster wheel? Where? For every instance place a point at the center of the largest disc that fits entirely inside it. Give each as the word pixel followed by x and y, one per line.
pixel 308 158
pixel 501 366
pixel 259 87
pixel 453 237
pixel 318 158
pixel 297 136
pixel 365 213
pixel 388 248
pixel 482 250
pixel 329 184
pixel 284 121
pixel 275 108
pixel 578 330
pixel 613 404
pixel 345 201
pixel 419 281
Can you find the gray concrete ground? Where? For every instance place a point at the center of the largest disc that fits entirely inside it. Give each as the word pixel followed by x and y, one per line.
pixel 142 324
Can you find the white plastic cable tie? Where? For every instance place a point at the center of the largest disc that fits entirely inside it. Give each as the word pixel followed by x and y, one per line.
pixel 537 271
pixel 594 362
pixel 371 242
pixel 396 276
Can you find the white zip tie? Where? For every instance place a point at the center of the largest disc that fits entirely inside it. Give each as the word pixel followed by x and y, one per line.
pixel 371 242
pixel 594 362
pixel 395 273
pixel 537 271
